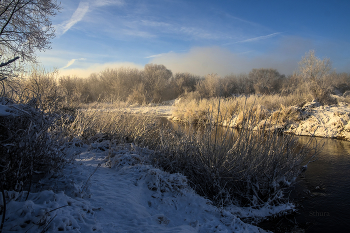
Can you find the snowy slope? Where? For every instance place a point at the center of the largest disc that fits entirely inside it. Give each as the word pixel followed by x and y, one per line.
pixel 122 193
pixel 324 121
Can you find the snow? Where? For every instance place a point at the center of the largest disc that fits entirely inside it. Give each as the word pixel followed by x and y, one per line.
pixel 5 110
pixel 324 121
pixel 113 188
pixel 154 110
pixel 329 121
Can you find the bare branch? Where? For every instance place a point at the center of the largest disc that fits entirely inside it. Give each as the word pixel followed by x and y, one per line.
pixel 8 62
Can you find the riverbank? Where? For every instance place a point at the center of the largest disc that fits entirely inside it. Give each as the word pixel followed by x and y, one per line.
pixel 310 119
pixel 110 187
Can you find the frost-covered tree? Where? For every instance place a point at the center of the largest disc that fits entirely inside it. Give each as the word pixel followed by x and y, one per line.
pixel 25 27
pixel 312 74
pixel 210 86
pixel 183 82
pixel 265 81
pixel 311 68
pixel 156 78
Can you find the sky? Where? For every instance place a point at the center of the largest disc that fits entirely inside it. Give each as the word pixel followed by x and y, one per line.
pixel 197 36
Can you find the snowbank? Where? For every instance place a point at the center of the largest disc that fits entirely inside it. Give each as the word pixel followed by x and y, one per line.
pixel 310 120
pixel 113 188
pixel 324 121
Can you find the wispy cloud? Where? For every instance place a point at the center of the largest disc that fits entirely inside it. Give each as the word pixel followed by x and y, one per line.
pixel 242 20
pixel 259 38
pixel 158 55
pixel 71 62
pixel 254 38
pixel 137 33
pixel 107 2
pixel 76 17
pixel 198 33
pixel 155 23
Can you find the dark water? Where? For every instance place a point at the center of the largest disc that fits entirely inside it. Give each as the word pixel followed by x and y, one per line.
pixel 322 193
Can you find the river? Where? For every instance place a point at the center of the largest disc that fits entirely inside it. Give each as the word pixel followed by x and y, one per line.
pixel 321 194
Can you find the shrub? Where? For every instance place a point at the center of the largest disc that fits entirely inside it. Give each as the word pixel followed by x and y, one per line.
pixel 26 146
pixel 245 168
pixel 90 126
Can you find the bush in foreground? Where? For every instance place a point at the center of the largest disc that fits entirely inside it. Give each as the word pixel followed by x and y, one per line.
pixel 244 167
pixel 26 146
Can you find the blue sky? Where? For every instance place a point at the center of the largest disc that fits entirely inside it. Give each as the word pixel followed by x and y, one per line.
pixel 199 37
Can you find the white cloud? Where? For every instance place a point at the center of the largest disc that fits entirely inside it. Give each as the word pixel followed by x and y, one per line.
pixel 71 62
pixel 96 68
pixel 77 16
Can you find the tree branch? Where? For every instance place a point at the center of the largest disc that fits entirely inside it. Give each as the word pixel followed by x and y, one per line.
pixel 9 61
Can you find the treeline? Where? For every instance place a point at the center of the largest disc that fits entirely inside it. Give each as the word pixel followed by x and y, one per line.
pixel 156 83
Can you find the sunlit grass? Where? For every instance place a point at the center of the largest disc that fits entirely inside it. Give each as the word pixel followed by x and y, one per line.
pixel 260 106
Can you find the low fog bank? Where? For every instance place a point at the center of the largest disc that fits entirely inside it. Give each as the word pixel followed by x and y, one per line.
pixel 237 58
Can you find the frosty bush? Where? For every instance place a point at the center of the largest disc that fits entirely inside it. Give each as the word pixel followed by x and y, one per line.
pixel 96 126
pixel 26 146
pixel 246 168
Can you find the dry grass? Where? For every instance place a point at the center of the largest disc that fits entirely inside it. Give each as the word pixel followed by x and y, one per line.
pixel 258 107
pixel 93 126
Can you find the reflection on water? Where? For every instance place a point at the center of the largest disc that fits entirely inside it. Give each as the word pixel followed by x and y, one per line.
pixel 324 190
pixel 322 194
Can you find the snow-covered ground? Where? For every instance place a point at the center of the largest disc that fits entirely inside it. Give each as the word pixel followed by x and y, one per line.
pixel 324 121
pixel 113 188
pixel 154 110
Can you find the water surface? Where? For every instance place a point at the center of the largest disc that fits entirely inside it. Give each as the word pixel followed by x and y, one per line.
pixel 322 193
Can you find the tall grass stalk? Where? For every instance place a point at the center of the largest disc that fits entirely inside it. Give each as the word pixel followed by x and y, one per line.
pixel 195 110
pixel 101 125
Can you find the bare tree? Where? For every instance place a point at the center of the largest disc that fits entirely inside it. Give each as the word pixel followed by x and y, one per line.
pixel 25 27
